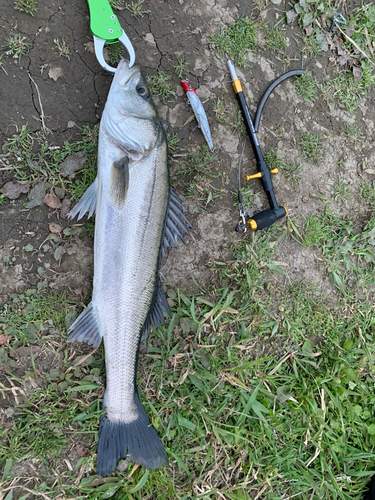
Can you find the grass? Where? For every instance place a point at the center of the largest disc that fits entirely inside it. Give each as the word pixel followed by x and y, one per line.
pixel 161 86
pixel 341 191
pixel 353 134
pixel 115 52
pixel 291 172
pixel 275 39
pixel 311 147
pixel 295 415
pixel 25 149
pixel 28 6
pixel 346 89
pixel 198 175
pixel 367 191
pixel 236 40
pixel 136 9
pixel 349 257
pixel 17 46
pixel 62 48
pixel 181 68
pixel 220 111
pixel 307 87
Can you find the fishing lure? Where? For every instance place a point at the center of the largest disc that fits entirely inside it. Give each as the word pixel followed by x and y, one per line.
pixel 199 112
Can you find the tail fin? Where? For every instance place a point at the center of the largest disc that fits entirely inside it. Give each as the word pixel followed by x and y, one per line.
pixel 138 440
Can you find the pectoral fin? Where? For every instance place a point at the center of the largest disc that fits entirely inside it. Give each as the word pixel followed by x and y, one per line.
pixel 119 181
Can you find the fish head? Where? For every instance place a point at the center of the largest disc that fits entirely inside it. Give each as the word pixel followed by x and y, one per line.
pixel 130 118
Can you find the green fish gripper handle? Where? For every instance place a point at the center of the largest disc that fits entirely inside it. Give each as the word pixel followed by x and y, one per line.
pixel 103 22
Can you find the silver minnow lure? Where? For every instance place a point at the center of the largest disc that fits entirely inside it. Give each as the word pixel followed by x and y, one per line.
pixel 138 217
pixel 199 112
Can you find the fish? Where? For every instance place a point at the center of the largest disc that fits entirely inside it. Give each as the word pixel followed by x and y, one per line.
pixel 138 218
pixel 199 112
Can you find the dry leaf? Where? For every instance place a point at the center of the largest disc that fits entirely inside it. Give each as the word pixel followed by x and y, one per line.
pixel 52 200
pixel 55 72
pixel 36 195
pixel 55 228
pixel 73 163
pixel 4 339
pixel 12 190
pixel 81 451
pixel 357 72
pixel 21 352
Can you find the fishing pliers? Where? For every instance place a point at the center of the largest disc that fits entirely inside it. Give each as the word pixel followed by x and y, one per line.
pixel 106 29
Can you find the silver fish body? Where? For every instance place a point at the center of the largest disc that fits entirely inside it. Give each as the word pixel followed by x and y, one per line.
pixel 133 227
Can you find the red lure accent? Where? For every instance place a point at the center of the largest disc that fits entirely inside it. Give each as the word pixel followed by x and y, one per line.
pixel 187 86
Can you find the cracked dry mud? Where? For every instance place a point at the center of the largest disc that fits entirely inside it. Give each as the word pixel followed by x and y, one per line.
pixel 73 94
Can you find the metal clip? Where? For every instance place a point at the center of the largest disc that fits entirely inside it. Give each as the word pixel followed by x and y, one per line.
pixel 339 18
pixel 99 48
pixel 242 226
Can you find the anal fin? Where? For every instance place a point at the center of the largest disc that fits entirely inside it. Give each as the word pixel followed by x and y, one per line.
pixel 86 328
pixel 157 311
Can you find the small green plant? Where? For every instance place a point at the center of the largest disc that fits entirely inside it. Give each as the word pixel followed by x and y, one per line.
pixel 236 40
pixel 311 147
pixel 313 231
pixel 279 131
pixel 346 89
pixel 354 134
pixel 115 53
pixel 173 141
pixel 90 227
pixel 117 4
pixel 161 86
pixel 221 114
pixel 181 69
pixel 136 9
pixel 17 46
pixel 62 48
pixel 291 172
pixel 28 6
pixel 237 123
pixel 307 87
pixel 275 39
pixel 367 191
pixel 341 191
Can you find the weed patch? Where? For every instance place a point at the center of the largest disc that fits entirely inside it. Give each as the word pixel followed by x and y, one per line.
pixel 28 6
pixel 161 86
pixel 291 172
pixel 236 40
pixel 181 69
pixel 307 87
pixel 275 39
pixel 311 147
pixel 17 46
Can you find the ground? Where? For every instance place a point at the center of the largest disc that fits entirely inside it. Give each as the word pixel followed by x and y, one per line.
pixel 262 384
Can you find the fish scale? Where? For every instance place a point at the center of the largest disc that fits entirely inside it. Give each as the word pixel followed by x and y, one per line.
pixel 138 217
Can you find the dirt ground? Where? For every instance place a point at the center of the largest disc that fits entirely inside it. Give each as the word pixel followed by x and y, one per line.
pixel 71 93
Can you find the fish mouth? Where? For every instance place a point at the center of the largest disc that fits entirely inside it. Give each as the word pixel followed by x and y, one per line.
pixel 124 74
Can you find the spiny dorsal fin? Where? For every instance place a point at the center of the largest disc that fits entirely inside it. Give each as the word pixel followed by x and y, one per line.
pixel 119 183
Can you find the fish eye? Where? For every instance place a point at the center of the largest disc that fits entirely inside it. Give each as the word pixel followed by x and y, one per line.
pixel 143 91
